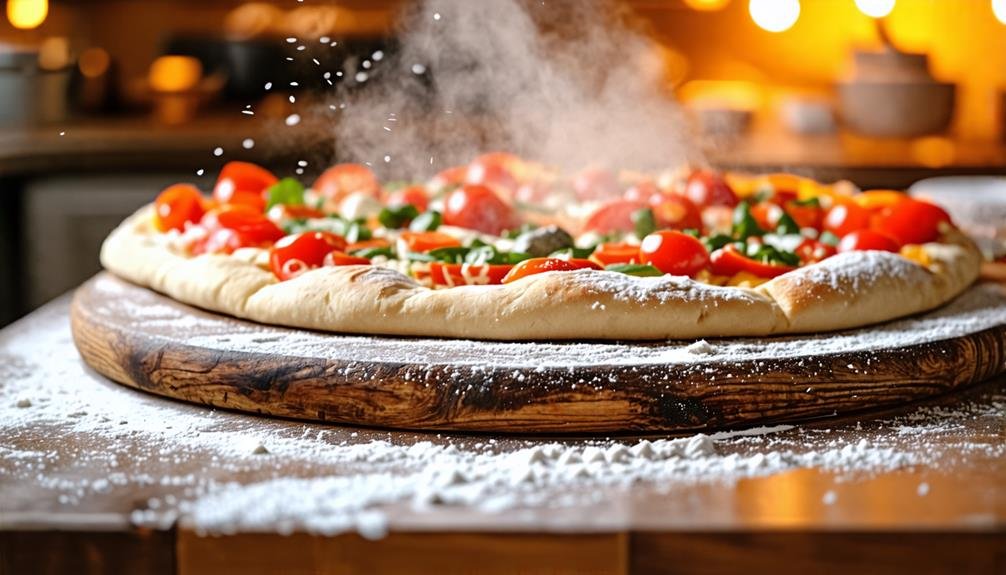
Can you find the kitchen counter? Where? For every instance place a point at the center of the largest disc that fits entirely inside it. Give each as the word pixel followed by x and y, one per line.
pixel 94 476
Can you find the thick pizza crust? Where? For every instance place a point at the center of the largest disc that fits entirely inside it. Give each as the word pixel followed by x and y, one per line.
pixel 844 291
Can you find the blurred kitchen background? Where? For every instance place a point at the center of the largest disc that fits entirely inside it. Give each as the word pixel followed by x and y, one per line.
pixel 103 102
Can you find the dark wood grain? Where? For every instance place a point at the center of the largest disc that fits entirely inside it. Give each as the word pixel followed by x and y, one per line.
pixel 366 385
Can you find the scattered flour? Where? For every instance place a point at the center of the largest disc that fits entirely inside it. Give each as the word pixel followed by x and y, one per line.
pixel 224 472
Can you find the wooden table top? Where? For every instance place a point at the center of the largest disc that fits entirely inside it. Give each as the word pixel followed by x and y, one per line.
pixel 79 490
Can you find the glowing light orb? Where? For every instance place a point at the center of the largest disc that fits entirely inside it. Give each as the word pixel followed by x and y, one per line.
pixel 707 5
pixel 875 8
pixel 774 15
pixel 999 9
pixel 27 14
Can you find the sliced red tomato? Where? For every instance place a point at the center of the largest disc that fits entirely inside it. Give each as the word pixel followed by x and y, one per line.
pixel 177 205
pixel 425 241
pixel 338 258
pixel 243 183
pixel 846 218
pixel 812 251
pixel 595 184
pixel 705 188
pixel 676 213
pixel 446 178
pixel 767 214
pixel 673 252
pixel 488 171
pixel 613 215
pixel 477 208
pixel 445 274
pixel 911 221
pixel 861 240
pixel 341 180
pixel 409 195
pixel 236 226
pixel 805 215
pixel 541 265
pixel 727 261
pixel 281 212
pixel 607 254
pixel 295 254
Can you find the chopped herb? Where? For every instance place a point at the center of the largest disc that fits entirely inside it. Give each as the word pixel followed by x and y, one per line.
pixel 639 270
pixel 644 221
pixel 810 202
pixel 716 242
pixel 371 253
pixel 287 191
pixel 451 255
pixel 426 222
pixel 828 238
pixel 786 225
pixel 573 253
pixel 397 217
pixel 745 225
pixel 771 255
pixel 356 231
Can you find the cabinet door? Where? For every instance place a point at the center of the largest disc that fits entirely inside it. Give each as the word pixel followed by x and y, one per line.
pixel 65 220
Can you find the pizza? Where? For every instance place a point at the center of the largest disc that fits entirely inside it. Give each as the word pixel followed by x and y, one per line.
pixel 508 249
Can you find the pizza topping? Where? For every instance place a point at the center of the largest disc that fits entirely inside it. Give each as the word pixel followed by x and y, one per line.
pixel 638 270
pixel 846 218
pixel 705 188
pixel 541 242
pixel 541 265
pixel 610 253
pixel 674 253
pixel 426 241
pixel 296 254
pixel 862 240
pixel 177 206
pixel 766 263
pixel 243 183
pixel 476 207
pixel 339 181
pixel 911 221
pixel 614 216
pixel 235 226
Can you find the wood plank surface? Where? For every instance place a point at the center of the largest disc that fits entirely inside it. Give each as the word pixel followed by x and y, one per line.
pixel 424 384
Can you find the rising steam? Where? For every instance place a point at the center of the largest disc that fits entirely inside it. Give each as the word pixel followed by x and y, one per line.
pixel 566 82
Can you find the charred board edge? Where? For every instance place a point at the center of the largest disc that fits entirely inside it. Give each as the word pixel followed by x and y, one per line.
pixel 520 399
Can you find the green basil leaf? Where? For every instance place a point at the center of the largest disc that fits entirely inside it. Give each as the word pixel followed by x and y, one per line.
pixel 371 253
pixel 745 225
pixel 771 255
pixel 397 217
pixel 451 255
pixel 829 238
pixel 356 232
pixel 639 270
pixel 815 202
pixel 644 221
pixel 513 258
pixel 426 222
pixel 573 253
pixel 287 191
pixel 716 242
pixel 786 225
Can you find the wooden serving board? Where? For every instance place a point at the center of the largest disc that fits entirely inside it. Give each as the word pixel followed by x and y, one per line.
pixel 145 340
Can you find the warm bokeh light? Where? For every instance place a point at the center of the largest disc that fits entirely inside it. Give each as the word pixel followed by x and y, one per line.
pixel 175 74
pixel 774 15
pixel 27 14
pixel 875 8
pixel 94 62
pixel 707 5
pixel 999 9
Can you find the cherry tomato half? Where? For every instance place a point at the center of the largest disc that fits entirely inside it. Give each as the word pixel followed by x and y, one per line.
pixel 410 195
pixel 673 252
pixel 281 212
pixel 607 254
pixel 846 218
pixel 477 208
pixel 676 213
pixel 727 261
pixel 295 254
pixel 426 241
pixel 911 221
pixel 613 215
pixel 243 183
pixel 705 188
pixel 805 215
pixel 236 226
pixel 541 265
pixel 450 275
pixel 861 240
pixel 176 206
pixel 488 171
pixel 341 180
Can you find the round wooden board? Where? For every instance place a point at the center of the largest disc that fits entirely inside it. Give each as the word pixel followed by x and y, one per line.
pixel 145 340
